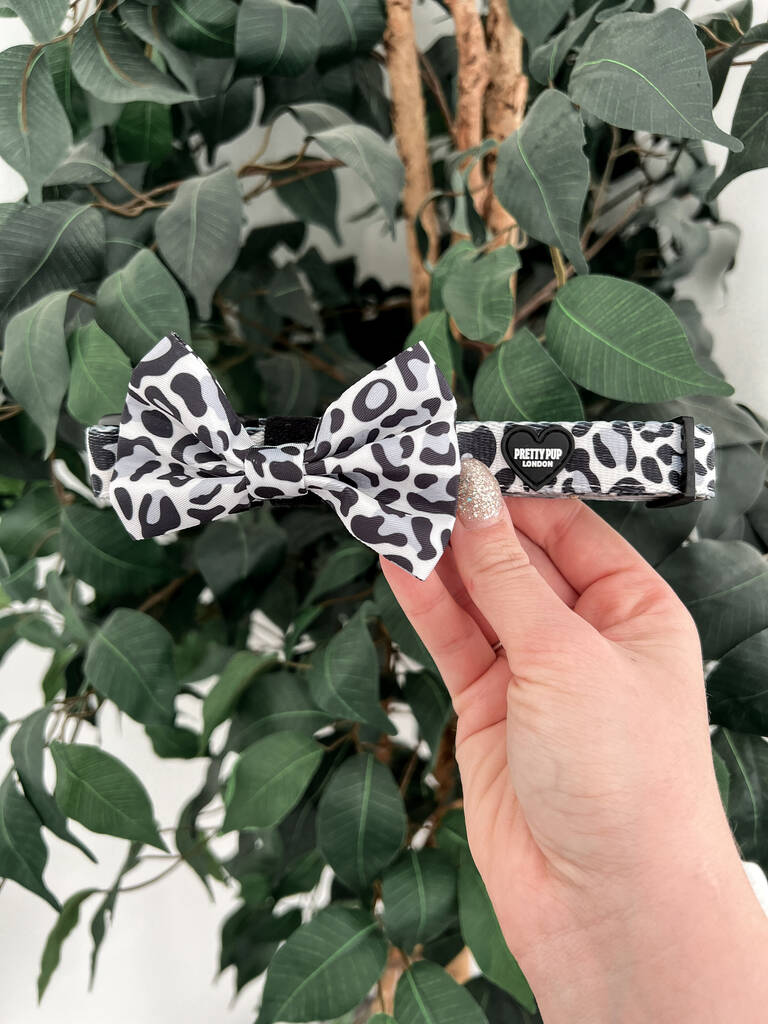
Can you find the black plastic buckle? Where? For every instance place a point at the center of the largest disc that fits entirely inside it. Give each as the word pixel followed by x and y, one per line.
pixel 688 493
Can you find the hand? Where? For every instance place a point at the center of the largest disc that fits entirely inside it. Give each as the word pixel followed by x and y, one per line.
pixel 590 797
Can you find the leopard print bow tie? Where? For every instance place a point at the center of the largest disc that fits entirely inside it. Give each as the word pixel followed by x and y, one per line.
pixel 384 455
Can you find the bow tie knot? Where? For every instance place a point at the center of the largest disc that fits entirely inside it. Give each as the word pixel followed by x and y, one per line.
pixel 275 472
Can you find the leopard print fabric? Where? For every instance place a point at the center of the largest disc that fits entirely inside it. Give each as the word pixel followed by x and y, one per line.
pixel 614 460
pixel 384 455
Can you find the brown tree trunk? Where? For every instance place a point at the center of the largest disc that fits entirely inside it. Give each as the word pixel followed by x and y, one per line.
pixel 472 84
pixel 504 101
pixel 410 130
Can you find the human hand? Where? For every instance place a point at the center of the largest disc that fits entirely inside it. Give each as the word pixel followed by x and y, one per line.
pixel 590 797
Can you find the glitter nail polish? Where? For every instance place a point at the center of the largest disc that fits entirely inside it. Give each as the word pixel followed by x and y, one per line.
pixel 479 498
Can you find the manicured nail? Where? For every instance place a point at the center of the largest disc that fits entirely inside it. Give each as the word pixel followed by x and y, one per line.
pixel 479 499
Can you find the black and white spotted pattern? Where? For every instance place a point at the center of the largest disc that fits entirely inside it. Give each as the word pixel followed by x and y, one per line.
pixel 615 460
pixel 384 455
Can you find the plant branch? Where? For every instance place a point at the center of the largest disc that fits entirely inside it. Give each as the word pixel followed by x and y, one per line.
pixel 545 294
pixel 409 126
pixel 505 102
pixel 472 82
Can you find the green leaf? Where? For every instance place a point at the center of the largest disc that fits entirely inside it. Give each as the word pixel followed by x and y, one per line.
pixel 64 597
pixel 482 934
pixel 130 662
pixel 547 59
pixel 43 18
pixel 144 132
pixel 434 330
pixel 623 341
pixel 362 150
pixel 749 126
pixel 293 385
pixel 737 693
pixel 27 753
pixel 312 200
pixel 361 820
pixel 325 968
pixel 724 585
pixel 225 110
pixel 746 759
pixel 35 365
pixel 344 680
pixel 110 63
pixel 740 482
pixel 142 19
pixel 287 295
pixel 34 129
pixel 99 374
pixel 730 422
pixel 106 908
pixel 199 233
pixel 431 705
pixel 521 381
pixel 426 994
pixel 269 779
pixel 654 532
pixel 341 567
pixel 648 72
pixel 28 528
pixel 275 701
pixel 276 37
pixel 66 923
pixel 536 20
pixel 398 626
pixel 497 1005
pixel 190 842
pixel 206 27
pixel 381 1018
pixel 97 549
pixel 250 937
pixel 236 676
pixel 723 778
pixel 419 895
pixel 348 27
pixel 173 741
pixel 100 792
pixel 47 248
pixel 542 174
pixel 22 851
pixel 229 552
pixel 71 96
pixel 140 303
pixel 84 164
pixel 477 292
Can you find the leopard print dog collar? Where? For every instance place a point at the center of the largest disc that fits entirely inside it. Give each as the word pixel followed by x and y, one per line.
pixel 385 455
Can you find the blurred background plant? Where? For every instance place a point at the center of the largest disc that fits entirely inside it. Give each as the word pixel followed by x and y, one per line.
pixel 543 167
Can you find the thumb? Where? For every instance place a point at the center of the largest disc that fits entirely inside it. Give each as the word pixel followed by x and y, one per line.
pixel 529 618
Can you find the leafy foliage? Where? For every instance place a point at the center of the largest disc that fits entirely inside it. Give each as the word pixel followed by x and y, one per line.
pixel 274 626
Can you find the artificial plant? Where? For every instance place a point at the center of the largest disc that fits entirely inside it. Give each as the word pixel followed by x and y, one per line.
pixel 544 166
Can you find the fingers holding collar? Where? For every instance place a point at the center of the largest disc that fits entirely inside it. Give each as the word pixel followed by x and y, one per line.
pixel 523 609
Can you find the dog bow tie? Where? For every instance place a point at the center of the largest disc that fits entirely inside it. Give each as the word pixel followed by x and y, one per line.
pixel 385 455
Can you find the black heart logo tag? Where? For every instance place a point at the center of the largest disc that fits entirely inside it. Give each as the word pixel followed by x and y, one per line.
pixel 536 454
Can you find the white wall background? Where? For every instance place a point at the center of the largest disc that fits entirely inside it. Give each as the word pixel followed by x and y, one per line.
pixel 159 962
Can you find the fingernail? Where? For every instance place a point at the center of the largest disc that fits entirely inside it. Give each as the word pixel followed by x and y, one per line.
pixel 479 498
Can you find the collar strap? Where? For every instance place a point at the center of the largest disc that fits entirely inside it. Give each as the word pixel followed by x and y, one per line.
pixel 669 463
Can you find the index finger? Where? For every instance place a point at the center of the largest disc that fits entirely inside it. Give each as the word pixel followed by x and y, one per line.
pixel 580 543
